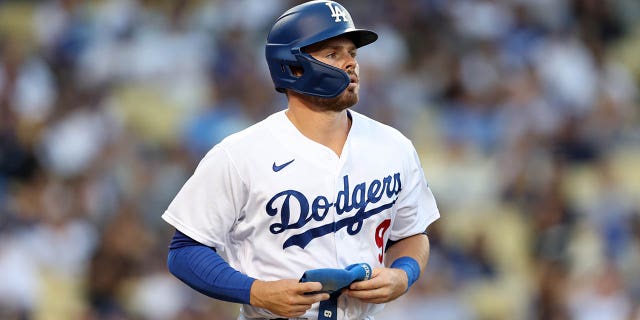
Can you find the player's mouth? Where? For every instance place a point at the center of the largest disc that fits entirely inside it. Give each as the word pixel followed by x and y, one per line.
pixel 354 82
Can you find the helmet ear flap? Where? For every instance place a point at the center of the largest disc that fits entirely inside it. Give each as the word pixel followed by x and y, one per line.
pixel 312 77
pixel 320 79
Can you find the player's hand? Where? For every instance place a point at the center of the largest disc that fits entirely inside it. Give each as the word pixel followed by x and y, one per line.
pixel 286 298
pixel 386 284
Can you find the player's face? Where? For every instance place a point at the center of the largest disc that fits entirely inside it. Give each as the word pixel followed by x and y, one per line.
pixel 339 52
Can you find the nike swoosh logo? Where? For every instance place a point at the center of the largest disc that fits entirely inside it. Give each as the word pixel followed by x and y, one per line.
pixel 277 168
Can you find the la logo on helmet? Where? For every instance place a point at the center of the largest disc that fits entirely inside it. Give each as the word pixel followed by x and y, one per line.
pixel 336 12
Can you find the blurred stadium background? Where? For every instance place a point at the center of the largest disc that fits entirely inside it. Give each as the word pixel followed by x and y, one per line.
pixel 525 113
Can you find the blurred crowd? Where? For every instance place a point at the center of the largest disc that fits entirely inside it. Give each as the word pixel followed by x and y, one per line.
pixel 525 113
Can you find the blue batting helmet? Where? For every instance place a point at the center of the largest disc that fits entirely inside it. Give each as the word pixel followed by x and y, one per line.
pixel 304 25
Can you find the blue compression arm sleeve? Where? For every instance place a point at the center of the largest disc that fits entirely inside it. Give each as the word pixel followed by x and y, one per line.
pixel 205 271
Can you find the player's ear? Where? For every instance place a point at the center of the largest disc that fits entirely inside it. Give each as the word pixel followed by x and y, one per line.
pixel 297 71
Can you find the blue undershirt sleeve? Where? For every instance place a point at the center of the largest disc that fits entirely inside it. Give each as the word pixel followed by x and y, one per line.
pixel 203 269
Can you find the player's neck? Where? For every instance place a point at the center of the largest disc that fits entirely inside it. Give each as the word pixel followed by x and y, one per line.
pixel 329 128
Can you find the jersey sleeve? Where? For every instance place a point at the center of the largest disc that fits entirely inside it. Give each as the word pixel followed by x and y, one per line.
pixel 417 207
pixel 208 205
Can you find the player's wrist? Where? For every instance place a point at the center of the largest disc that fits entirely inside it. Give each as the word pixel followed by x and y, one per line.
pixel 403 278
pixel 256 293
pixel 411 268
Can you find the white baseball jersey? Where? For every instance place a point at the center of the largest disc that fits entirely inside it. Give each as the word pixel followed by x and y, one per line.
pixel 275 204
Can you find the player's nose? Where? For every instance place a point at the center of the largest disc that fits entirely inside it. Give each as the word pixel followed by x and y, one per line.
pixel 349 63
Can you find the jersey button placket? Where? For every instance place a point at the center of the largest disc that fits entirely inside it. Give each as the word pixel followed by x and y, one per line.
pixel 342 250
pixel 334 160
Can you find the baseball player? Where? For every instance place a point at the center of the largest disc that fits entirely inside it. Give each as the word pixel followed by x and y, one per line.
pixel 316 212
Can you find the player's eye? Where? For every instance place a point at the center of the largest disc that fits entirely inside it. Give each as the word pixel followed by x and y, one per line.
pixel 331 55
